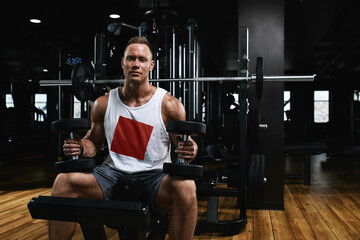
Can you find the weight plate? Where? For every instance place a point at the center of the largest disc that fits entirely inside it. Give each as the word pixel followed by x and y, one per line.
pixel 259 78
pixel 82 89
pixel 78 165
pixel 186 127
pixel 256 168
pixel 65 126
pixel 183 170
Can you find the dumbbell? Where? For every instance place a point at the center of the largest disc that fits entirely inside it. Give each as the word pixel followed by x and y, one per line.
pixel 182 168
pixel 72 127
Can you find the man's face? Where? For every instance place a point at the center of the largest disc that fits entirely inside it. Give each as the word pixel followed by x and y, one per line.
pixel 137 62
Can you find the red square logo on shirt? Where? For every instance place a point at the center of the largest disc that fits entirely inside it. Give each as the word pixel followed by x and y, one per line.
pixel 131 138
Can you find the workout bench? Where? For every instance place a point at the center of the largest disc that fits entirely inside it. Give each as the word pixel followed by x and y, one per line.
pixel 92 214
pixel 129 215
pixel 305 150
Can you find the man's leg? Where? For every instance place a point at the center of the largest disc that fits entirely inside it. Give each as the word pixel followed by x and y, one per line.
pixel 75 185
pixel 180 196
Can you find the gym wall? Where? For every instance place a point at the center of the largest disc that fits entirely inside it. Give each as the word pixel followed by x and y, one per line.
pixel 265 20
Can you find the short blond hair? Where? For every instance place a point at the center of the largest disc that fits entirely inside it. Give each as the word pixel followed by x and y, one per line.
pixel 140 40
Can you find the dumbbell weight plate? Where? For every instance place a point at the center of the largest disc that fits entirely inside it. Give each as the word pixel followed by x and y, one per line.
pixel 186 127
pixel 78 165
pixel 65 126
pixel 183 170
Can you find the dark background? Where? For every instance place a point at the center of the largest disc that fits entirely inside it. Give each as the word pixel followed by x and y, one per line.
pixel 295 37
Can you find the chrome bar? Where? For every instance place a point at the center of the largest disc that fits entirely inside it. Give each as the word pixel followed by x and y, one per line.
pixel 305 78
pixel 51 83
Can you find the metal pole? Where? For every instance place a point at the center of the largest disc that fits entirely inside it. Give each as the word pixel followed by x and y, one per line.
pixel 59 100
pixel 184 74
pixel 173 56
pixel 195 84
pixel 59 89
pixel 243 55
pixel 307 78
pixel 131 26
pixel 170 71
pixel 199 85
pixel 157 72
pixel 180 73
pixel 190 105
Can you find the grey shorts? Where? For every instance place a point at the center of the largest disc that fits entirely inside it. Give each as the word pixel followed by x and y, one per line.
pixel 107 178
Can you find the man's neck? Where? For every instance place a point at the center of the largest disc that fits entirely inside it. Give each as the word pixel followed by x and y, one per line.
pixel 135 95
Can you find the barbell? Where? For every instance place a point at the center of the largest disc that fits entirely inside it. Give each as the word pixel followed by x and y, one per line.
pixel 83 84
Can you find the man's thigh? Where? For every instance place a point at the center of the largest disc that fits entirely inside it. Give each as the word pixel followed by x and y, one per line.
pixel 77 185
pixel 164 198
pixel 171 188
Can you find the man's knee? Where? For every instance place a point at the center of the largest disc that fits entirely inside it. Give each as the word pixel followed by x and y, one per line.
pixel 64 185
pixel 186 191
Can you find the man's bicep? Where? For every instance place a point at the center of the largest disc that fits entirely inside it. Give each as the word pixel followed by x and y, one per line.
pixel 176 112
pixel 97 134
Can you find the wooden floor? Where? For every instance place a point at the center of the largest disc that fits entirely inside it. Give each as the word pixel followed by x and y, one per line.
pixel 328 209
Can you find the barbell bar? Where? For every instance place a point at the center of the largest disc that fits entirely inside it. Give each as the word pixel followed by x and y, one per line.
pixel 83 90
pixel 275 78
pixel 83 85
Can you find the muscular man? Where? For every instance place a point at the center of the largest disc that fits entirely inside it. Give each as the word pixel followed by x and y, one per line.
pixel 132 118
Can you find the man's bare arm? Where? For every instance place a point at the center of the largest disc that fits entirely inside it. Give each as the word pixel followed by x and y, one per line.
pixel 94 138
pixel 173 110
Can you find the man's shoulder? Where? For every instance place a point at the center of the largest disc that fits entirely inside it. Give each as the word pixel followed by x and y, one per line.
pixel 172 108
pixel 102 100
pixel 100 104
pixel 171 102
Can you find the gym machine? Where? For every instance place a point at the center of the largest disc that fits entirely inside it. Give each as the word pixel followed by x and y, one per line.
pixel 188 87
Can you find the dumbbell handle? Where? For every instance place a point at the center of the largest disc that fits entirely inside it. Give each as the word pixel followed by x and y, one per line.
pixel 185 138
pixel 73 138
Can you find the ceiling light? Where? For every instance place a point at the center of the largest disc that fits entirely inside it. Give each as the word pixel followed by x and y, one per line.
pixel 45 70
pixel 114 16
pixel 35 20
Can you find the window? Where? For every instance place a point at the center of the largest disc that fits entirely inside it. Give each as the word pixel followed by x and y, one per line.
pixel 321 106
pixel 287 96
pixel 41 105
pixel 9 101
pixel 77 108
pixel 236 102
pixel 356 96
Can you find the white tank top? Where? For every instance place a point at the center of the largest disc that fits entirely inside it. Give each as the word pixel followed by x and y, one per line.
pixel 136 136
